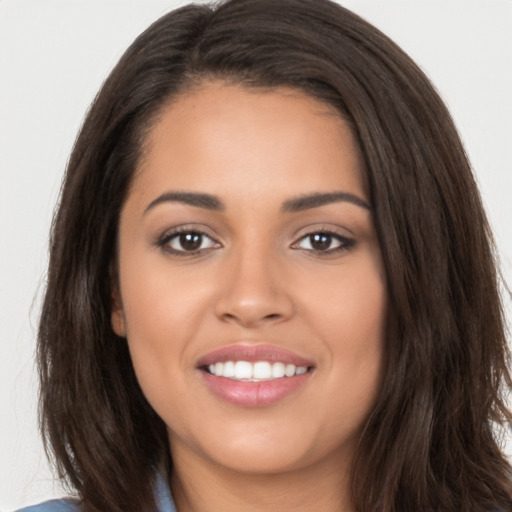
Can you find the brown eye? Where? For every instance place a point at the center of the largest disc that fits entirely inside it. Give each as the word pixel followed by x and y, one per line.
pixel 320 241
pixel 187 242
pixel 324 242
pixel 190 241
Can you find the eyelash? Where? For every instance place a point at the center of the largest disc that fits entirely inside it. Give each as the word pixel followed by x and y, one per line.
pixel 345 243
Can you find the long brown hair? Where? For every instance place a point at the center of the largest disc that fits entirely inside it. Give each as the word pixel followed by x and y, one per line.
pixel 430 442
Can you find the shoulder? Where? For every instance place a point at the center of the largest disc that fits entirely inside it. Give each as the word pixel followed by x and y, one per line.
pixel 54 506
pixel 163 498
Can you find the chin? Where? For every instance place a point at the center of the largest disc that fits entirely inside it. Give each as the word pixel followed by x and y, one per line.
pixel 263 447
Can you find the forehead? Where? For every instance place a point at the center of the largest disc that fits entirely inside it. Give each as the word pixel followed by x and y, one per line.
pixel 227 137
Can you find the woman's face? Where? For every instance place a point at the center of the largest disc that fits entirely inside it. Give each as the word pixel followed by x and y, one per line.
pixel 252 291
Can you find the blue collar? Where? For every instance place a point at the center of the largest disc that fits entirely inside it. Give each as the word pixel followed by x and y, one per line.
pixel 163 499
pixel 163 496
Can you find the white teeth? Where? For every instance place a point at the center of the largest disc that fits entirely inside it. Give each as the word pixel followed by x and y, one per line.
pixel 262 370
pixel 289 371
pixel 278 370
pixel 229 369
pixel 243 370
pixel 255 372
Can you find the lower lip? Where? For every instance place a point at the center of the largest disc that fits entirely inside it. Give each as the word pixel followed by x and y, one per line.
pixel 254 394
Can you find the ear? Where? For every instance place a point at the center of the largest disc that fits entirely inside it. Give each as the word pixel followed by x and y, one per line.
pixel 117 319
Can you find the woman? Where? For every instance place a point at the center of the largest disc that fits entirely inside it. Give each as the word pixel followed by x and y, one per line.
pixel 271 282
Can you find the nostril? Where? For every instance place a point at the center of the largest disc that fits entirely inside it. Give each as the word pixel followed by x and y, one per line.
pixel 253 309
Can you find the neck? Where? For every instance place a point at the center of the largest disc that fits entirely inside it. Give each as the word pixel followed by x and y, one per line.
pixel 199 485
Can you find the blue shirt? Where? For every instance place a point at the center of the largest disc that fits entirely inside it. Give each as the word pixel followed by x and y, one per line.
pixel 163 498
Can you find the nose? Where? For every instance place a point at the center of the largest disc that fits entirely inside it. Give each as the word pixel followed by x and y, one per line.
pixel 254 292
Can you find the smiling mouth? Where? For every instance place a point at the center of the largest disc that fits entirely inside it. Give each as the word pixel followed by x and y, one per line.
pixel 254 375
pixel 259 371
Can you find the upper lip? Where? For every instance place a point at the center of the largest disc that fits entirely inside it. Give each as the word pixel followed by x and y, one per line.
pixel 253 353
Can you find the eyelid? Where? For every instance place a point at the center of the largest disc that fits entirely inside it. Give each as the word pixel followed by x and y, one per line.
pixel 311 229
pixel 183 228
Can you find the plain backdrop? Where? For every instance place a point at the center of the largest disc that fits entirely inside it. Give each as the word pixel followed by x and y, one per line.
pixel 54 55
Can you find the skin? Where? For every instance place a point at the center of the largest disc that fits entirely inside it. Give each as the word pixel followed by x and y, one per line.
pixel 256 279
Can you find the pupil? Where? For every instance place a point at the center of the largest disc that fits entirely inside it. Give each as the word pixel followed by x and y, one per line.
pixel 190 241
pixel 320 241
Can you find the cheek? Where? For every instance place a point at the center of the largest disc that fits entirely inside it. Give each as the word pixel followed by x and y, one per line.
pixel 161 319
pixel 157 299
pixel 359 315
pixel 348 311
pixel 349 307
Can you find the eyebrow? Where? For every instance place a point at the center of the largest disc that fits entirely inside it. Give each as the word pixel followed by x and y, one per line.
pixel 316 200
pixel 207 201
pixel 296 204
